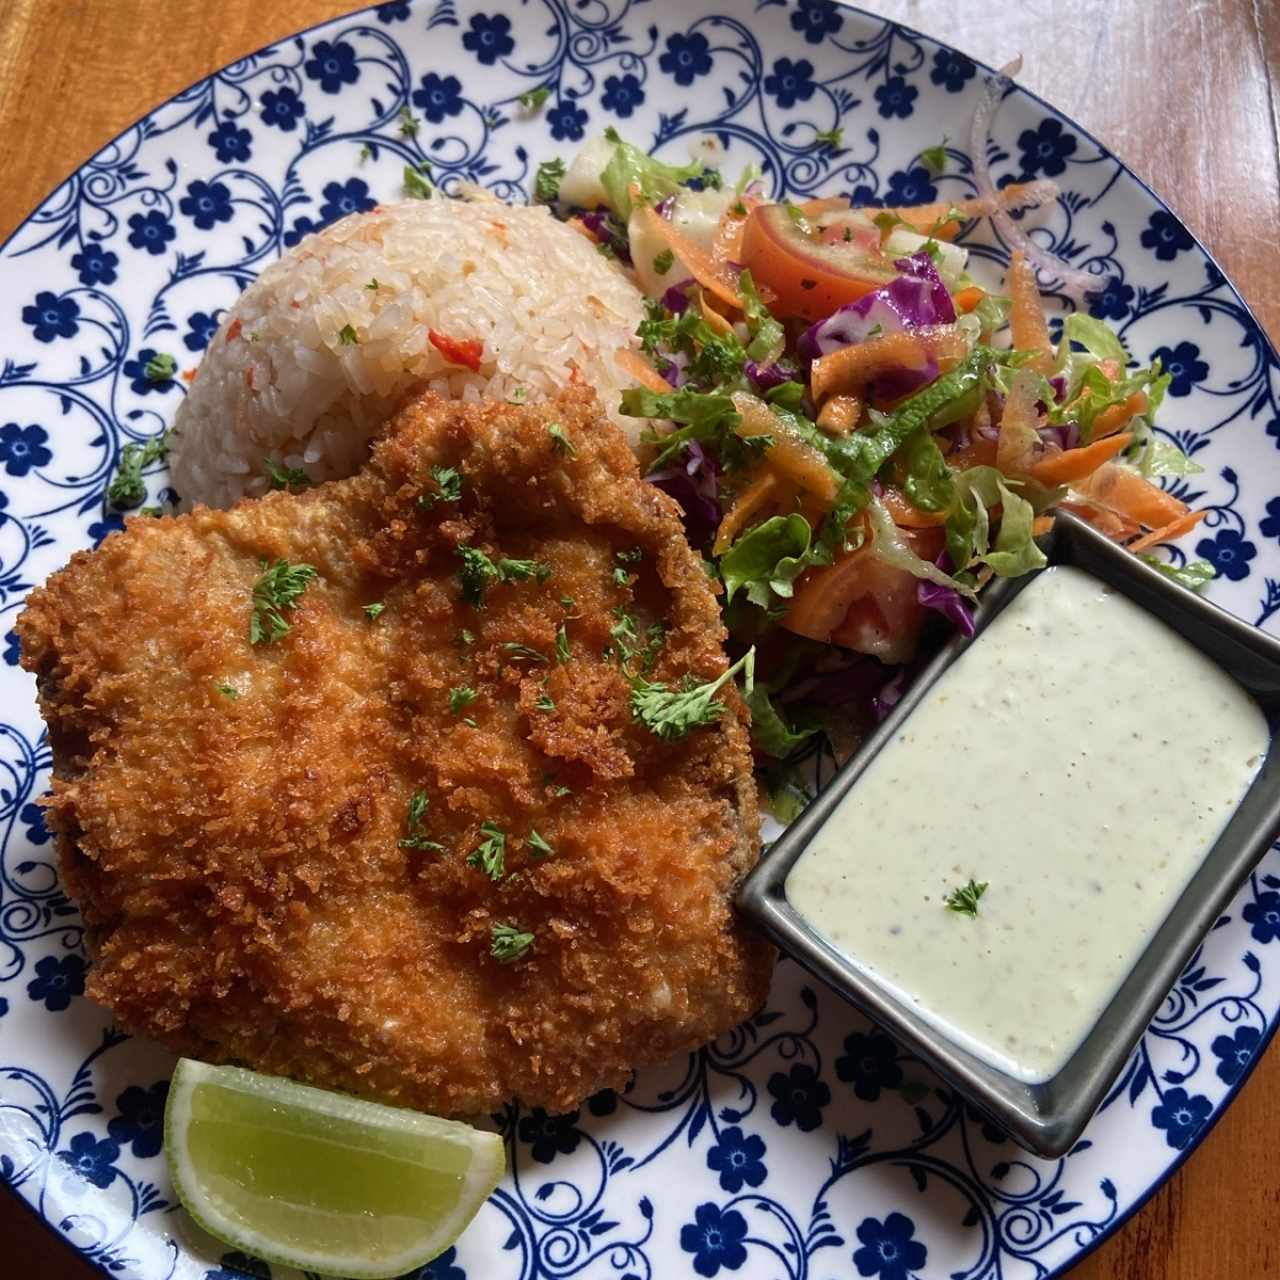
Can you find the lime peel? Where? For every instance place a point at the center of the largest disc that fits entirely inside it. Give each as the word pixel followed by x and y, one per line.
pixel 321 1181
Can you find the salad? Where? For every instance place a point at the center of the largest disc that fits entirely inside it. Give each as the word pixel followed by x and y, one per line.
pixel 859 433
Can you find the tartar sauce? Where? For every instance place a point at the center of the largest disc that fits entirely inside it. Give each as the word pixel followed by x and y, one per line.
pixel 1080 758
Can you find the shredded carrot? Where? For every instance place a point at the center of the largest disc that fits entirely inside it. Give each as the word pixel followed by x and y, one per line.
pixel 1132 496
pixel 979 452
pixel 840 415
pixel 1019 441
pixel 1041 525
pixel 467 352
pixel 761 490
pixel 904 513
pixel 935 220
pixel 1072 465
pixel 851 368
pixel 1028 328
pixel 700 263
pixel 791 455
pixel 1107 522
pixel 633 363
pixel 715 321
pixel 1118 415
pixel 583 230
pixel 968 298
pixel 1167 533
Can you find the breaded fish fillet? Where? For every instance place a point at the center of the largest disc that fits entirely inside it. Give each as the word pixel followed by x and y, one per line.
pixel 301 854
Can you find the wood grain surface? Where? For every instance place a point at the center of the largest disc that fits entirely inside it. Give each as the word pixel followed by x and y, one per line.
pixel 1186 91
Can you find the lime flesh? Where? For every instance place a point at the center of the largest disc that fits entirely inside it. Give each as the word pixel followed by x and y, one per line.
pixel 318 1180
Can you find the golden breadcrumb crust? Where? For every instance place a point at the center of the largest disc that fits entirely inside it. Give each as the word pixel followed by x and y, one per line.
pixel 238 858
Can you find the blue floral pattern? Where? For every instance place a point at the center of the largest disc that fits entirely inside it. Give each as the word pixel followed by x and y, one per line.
pixel 51 317
pixel 887 1249
pixel 801 1145
pixel 715 1237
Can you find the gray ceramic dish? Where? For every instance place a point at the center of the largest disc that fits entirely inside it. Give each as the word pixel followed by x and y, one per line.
pixel 1048 1118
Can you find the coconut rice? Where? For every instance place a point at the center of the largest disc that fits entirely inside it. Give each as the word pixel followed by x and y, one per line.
pixel 325 344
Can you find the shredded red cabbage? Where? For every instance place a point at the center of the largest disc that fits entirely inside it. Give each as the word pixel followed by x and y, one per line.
pixel 676 300
pixel 946 600
pixel 693 480
pixel 764 377
pixel 890 694
pixel 911 300
pixel 1066 436
pixel 609 231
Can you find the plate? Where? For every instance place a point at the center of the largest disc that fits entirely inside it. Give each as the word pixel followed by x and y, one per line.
pixel 802 1144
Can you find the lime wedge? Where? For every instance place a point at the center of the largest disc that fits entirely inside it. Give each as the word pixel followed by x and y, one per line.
pixel 318 1180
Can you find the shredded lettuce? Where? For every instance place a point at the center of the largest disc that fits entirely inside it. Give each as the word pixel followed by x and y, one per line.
pixel 769 730
pixel 767 335
pixel 1194 576
pixel 1155 457
pixel 992 312
pixel 891 547
pixel 929 483
pixel 767 560
pixel 630 166
pixel 1015 551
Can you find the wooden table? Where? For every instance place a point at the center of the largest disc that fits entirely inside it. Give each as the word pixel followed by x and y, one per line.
pixel 1188 94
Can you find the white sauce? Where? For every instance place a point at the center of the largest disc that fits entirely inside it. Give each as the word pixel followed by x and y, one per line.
pixel 1081 758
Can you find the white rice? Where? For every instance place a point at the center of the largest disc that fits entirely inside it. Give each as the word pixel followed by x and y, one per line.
pixel 279 382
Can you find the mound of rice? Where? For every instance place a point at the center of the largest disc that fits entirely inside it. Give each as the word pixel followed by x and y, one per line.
pixel 283 379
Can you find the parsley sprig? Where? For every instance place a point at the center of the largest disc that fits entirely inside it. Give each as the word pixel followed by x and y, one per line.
pixel 672 713
pixel 414 837
pixel 279 588
pixel 490 855
pixel 508 942
pixel 285 477
pixel 964 901
pixel 478 571
pixel 127 488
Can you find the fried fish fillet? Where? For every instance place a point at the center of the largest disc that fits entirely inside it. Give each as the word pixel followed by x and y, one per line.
pixel 244 826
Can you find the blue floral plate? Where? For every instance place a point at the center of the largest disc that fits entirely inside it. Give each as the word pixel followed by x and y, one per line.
pixel 803 1144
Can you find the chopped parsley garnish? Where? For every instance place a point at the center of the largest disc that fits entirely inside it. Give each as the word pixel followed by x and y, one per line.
pixel 347 336
pixel 461 696
pixel 279 588
pixel 664 262
pixel 151 511
pixel 541 849
pixel 160 368
pixel 228 690
pixel 623 631
pixel 561 442
pixel 532 100
pixel 621 577
pixel 828 138
pixel 632 556
pixel 522 652
pixel 285 477
pixel 127 487
pixel 448 482
pixel 365 153
pixel 672 713
pixel 568 601
pixel 655 636
pixel 415 182
pixel 935 158
pixel 546 702
pixel 373 284
pixel 408 123
pixel 964 901
pixel 466 636
pixel 739 209
pixel 546 182
pixel 521 570
pixel 475 575
pixel 374 611
pixel 508 942
pixel 414 837
pixel 489 855
pixel 562 644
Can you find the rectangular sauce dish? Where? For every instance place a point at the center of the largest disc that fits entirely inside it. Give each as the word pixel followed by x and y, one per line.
pixel 1015 916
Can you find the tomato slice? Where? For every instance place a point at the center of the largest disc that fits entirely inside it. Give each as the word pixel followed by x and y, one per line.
pixel 809 279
